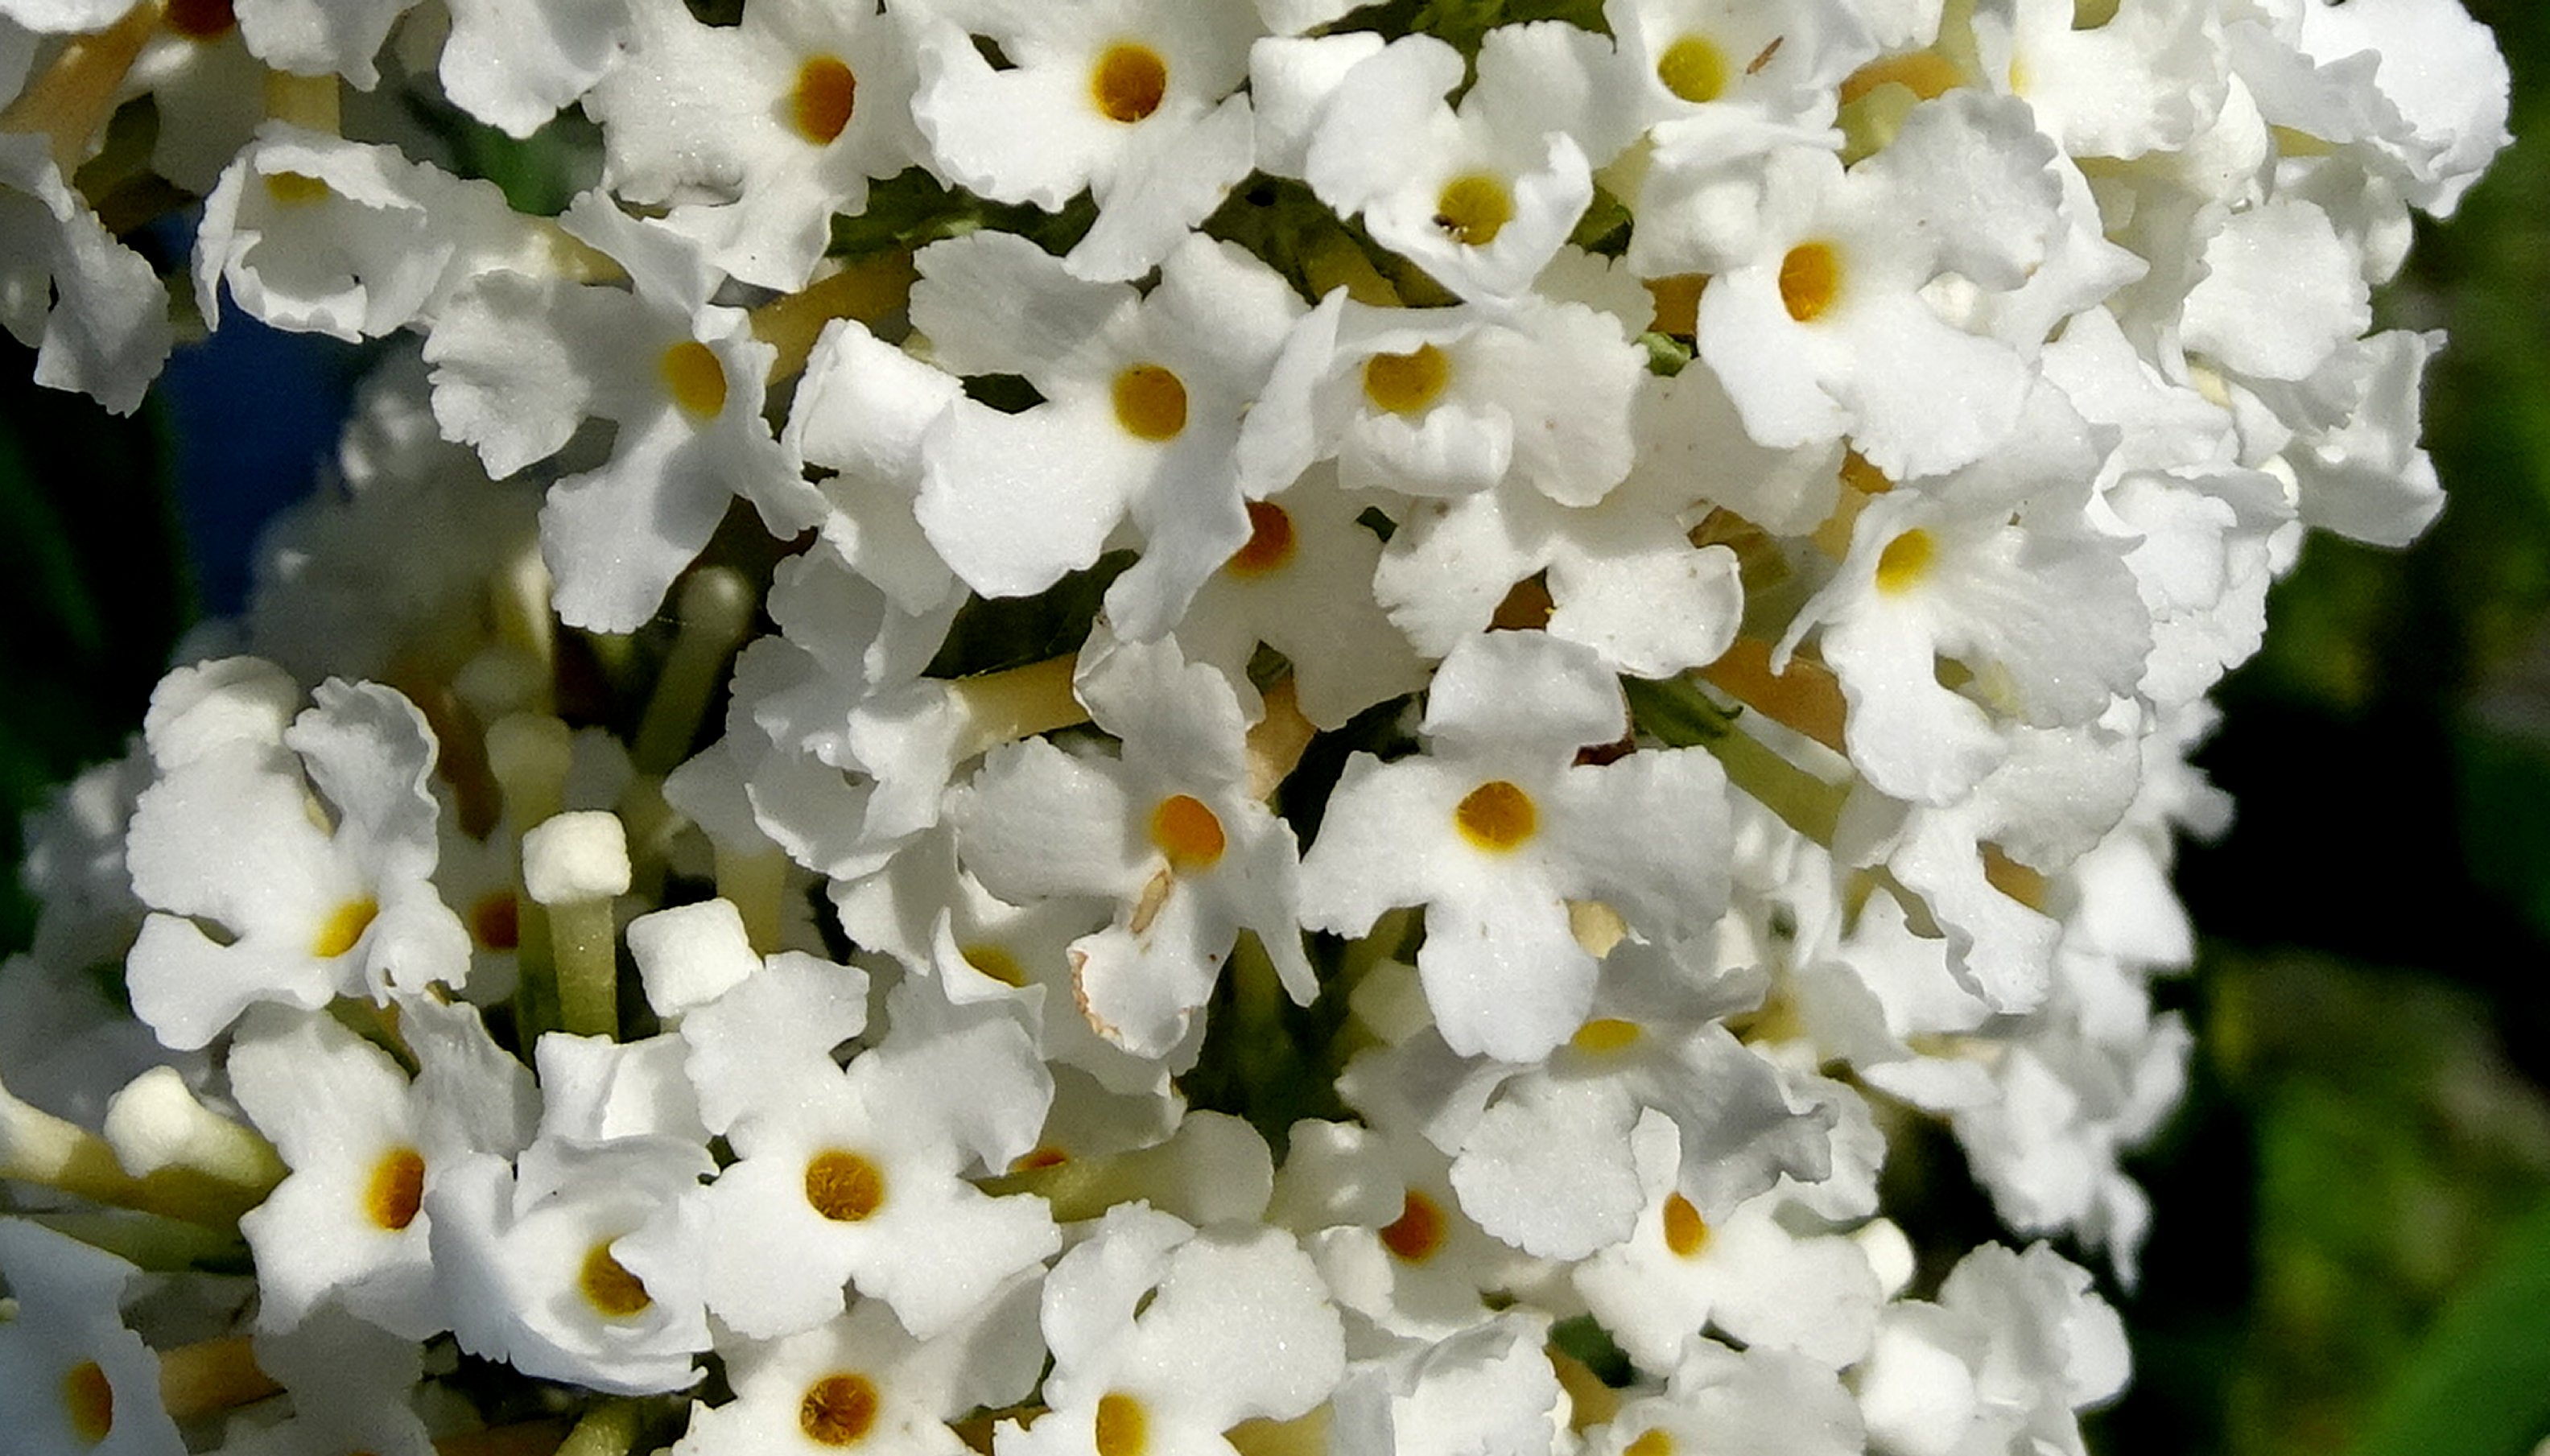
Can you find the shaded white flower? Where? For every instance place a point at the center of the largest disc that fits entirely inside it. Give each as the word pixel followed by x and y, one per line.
pixel 91 307
pixel 521 361
pixel 73 1379
pixel 309 847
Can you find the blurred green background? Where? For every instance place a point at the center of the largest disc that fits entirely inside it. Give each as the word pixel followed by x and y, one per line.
pixel 2351 1246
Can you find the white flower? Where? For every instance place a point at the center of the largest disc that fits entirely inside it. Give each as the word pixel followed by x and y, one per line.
pixel 583 1264
pixel 1719 1403
pixel 862 1381
pixel 1130 99
pixel 1168 831
pixel 1143 397
pixel 755 134
pixel 367 1148
pixel 1146 1355
pixel 317 37
pixel 1994 568
pixel 313 232
pixel 73 1379
pixel 857 1176
pixel 1480 196
pixel 2016 1344
pixel 1827 332
pixel 514 66
pixel 91 307
pixel 519 362
pixel 1498 828
pixel 311 906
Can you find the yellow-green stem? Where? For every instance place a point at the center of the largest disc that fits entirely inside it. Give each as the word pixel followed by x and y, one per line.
pixel 1804 802
pixel 608 1429
pixel 998 708
pixel 716 609
pixel 528 754
pixel 308 102
pixel 529 1438
pixel 73 99
pixel 148 1240
pixel 518 600
pixel 210 1376
pixel 866 289
pixel 38 1147
pixel 755 882
pixel 581 936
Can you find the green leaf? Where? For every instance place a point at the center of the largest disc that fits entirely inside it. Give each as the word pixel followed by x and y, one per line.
pixel 92 602
pixel 2480 1385
pixel 1675 712
pixel 2504 793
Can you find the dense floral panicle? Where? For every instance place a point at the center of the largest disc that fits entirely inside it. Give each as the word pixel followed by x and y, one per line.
pixel 1714 528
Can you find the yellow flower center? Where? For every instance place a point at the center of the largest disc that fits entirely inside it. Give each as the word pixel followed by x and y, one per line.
pixel 90 1401
pixel 694 378
pixel 1187 833
pixel 1416 1233
pixel 1129 83
pixel 608 1287
pixel 839 1409
pixel 1810 280
pixel 1496 815
pixel 1606 1033
pixel 1653 1442
pixel 1905 561
pixel 343 926
pixel 1694 70
pixel 994 962
pixel 1686 1233
pixel 1409 383
pixel 1677 299
pixel 1272 541
pixel 1150 403
pixel 1124 1426
pixel 826 95
pixel 294 189
pixel 396 1190
pixel 843 1186
pixel 1474 209
pixel 1862 476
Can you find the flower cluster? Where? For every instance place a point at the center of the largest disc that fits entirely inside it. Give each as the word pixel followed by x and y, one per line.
pixel 1153 727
